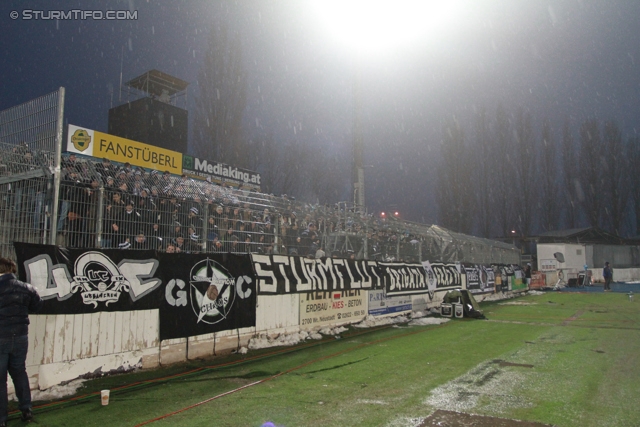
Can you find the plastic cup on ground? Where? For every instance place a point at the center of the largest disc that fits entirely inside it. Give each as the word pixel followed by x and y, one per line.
pixel 104 395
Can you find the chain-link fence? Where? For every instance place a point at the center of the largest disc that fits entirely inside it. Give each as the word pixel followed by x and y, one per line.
pixel 76 201
pixel 117 206
pixel 114 206
pixel 30 135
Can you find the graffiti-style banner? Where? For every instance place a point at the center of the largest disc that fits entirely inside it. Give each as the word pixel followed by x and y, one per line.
pixel 206 293
pixel 480 279
pixel 443 277
pixel 75 281
pixel 404 279
pixel 280 274
pixel 195 293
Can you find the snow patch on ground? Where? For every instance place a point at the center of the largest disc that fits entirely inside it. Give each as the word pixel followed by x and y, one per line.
pixel 428 321
pixel 486 385
pixel 333 331
pixel 536 293
pixel 266 341
pixel 56 392
pixel 518 303
pixel 406 422
pixel 372 402
pixel 372 321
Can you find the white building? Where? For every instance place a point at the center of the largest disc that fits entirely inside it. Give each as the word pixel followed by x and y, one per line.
pixel 586 246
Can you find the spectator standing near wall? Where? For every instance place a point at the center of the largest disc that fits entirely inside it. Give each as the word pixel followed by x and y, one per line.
pixel 607 273
pixel 17 300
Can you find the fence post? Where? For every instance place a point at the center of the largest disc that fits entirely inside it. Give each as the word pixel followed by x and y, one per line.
pixel 365 246
pixel 56 168
pixel 205 224
pixel 99 217
pixel 276 236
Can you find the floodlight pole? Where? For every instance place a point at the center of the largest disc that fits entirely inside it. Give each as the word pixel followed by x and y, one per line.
pixel 358 154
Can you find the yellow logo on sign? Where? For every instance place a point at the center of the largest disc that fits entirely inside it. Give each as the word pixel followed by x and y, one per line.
pixel 81 139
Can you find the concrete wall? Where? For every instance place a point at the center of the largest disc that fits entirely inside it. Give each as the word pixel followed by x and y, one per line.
pixel 66 347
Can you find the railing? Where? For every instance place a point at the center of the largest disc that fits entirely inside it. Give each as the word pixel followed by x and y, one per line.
pixel 30 142
pixel 86 203
pixel 109 206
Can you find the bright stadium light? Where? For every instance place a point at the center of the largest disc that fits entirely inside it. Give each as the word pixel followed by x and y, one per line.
pixel 374 25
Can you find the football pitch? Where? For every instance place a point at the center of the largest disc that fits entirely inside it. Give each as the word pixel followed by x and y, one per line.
pixel 564 359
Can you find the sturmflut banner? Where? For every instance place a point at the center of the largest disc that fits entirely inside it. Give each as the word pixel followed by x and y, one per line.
pixel 195 293
pixel 280 274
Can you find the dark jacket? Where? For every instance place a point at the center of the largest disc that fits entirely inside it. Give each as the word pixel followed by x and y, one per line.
pixel 17 300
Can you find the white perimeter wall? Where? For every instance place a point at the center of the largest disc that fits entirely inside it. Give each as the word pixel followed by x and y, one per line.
pixel 65 347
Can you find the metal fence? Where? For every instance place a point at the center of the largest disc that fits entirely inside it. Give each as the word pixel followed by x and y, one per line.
pixel 30 142
pixel 121 207
pixel 76 201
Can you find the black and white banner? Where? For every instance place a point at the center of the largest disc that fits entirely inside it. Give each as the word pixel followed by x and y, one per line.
pixel 504 275
pixel 404 279
pixel 74 281
pixel 280 274
pixel 480 279
pixel 196 294
pixel 443 277
pixel 207 293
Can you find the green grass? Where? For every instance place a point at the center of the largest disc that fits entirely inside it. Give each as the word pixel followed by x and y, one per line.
pixel 583 349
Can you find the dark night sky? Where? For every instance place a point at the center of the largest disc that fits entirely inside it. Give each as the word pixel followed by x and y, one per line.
pixel 554 58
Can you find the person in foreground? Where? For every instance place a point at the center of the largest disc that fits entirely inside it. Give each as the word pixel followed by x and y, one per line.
pixel 17 300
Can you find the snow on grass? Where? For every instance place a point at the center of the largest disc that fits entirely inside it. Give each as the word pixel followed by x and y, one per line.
pixel 266 341
pixel 56 392
pixel 406 422
pixel 485 385
pixel 518 303
pixel 429 321
pixel 372 402
pixel 333 331
pixel 373 321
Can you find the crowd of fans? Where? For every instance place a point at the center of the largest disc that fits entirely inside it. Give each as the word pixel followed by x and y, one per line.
pixel 148 209
pixel 120 206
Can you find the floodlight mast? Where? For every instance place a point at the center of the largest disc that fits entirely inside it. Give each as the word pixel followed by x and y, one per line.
pixel 358 149
pixel 374 26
